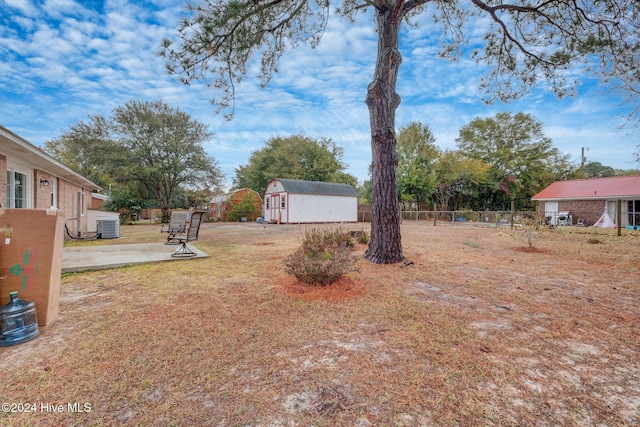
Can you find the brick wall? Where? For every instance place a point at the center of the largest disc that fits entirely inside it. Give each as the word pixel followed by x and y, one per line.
pixel 96 203
pixel 68 202
pixel 3 180
pixel 41 195
pixel 66 193
pixel 588 210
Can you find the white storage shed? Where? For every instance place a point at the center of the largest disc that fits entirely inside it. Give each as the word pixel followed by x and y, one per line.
pixel 291 201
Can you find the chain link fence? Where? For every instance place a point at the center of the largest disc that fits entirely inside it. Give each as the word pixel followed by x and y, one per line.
pixel 629 220
pixel 470 218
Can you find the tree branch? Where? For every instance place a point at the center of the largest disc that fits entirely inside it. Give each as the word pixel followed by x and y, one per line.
pixel 492 11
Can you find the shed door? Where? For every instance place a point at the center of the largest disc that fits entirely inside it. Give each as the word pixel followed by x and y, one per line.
pixel 275 207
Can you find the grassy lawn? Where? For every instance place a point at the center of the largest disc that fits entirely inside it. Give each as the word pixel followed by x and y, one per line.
pixel 475 329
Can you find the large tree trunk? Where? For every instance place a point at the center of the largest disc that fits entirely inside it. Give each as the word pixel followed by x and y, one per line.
pixel 385 246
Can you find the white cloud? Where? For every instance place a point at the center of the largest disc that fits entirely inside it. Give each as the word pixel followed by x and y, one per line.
pixel 25 7
pixel 23 22
pixel 64 60
pixel 60 8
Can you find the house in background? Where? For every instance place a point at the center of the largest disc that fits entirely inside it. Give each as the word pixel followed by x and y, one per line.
pixel 223 203
pixel 290 201
pixel 30 178
pixel 573 201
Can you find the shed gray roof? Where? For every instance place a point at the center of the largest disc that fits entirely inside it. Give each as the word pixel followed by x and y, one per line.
pixel 317 187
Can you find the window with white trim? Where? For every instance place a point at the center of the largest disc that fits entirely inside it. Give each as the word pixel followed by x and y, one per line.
pixel 19 187
pixel 54 192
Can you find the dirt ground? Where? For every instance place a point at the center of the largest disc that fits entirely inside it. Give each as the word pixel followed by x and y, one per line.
pixel 475 328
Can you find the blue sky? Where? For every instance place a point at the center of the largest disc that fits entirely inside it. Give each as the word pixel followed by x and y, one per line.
pixel 63 60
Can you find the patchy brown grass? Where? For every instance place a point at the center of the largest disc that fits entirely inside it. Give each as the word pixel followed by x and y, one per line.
pixel 532 250
pixel 342 290
pixel 468 332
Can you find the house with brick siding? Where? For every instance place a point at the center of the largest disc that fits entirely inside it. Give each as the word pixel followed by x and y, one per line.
pixel 583 201
pixel 32 179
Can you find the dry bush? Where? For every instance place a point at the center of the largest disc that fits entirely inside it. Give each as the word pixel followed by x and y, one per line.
pixel 532 229
pixel 324 257
pixel 363 237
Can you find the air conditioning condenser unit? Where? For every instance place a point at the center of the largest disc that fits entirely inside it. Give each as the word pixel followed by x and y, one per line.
pixel 108 228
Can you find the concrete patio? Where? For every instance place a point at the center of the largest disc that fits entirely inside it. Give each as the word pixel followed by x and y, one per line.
pixel 84 258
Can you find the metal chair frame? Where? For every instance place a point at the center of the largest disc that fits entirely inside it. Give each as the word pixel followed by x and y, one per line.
pixel 177 225
pixel 191 235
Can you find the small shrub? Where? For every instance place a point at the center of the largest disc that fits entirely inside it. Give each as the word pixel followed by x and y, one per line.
pixel 471 243
pixel 363 237
pixel 324 257
pixel 317 240
pixel 532 229
pixel 246 207
pixel 339 237
pixel 473 216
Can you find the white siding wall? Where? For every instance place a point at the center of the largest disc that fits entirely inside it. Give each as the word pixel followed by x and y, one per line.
pixel 270 211
pixel 266 207
pixel 275 187
pixel 319 208
pixel 307 208
pixel 94 215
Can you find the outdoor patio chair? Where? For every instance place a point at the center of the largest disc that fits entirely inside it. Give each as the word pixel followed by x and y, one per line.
pixel 177 225
pixel 192 234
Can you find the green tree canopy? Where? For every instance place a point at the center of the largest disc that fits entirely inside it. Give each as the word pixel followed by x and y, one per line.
pixel 516 150
pixel 364 191
pixel 460 181
pixel 87 147
pixel 417 154
pixel 293 157
pixel 163 150
pixel 145 148
pixel 522 41
pixel 598 170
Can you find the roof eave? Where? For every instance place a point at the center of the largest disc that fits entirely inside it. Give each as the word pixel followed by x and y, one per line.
pixel 571 199
pixel 25 152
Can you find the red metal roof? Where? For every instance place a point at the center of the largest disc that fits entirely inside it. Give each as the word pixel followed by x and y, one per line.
pixel 622 187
